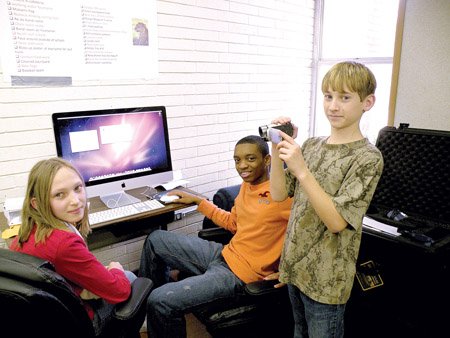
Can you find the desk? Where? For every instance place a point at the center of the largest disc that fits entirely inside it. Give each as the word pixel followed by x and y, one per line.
pixel 416 289
pixel 129 227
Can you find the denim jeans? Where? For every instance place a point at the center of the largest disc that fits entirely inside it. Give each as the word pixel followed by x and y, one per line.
pixel 211 279
pixel 313 319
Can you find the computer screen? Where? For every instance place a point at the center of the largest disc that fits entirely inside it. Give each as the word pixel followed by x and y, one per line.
pixel 115 149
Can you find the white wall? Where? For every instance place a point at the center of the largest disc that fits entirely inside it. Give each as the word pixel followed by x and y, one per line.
pixel 424 79
pixel 225 67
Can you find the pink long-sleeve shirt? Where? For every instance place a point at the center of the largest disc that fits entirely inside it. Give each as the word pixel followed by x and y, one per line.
pixel 72 259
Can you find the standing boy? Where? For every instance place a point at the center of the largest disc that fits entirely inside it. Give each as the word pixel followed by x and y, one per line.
pixel 259 226
pixel 332 180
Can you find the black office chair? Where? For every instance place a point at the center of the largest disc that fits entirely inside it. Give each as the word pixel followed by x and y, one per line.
pixel 262 311
pixel 36 301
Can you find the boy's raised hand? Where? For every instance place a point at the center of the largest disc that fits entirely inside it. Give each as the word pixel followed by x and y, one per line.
pixel 284 120
pixel 291 154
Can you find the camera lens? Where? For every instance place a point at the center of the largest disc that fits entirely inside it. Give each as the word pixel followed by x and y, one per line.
pixel 263 132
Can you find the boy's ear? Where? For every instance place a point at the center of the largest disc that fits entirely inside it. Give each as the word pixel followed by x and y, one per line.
pixel 33 203
pixel 267 159
pixel 369 101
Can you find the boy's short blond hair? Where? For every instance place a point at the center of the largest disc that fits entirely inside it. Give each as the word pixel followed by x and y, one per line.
pixel 355 76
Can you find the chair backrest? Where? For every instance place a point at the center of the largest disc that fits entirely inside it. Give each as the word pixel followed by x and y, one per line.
pixel 36 301
pixel 224 199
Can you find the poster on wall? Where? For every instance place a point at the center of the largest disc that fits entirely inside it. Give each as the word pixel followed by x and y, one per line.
pixel 53 42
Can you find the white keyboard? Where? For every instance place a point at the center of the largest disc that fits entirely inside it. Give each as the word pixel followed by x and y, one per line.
pixel 124 211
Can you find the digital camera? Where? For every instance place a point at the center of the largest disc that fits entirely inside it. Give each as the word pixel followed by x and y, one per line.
pixel 271 132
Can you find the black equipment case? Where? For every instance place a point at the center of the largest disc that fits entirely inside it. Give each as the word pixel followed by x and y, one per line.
pixel 414 191
pixel 403 280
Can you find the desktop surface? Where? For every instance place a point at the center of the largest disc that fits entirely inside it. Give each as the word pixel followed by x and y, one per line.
pixel 132 226
pixel 97 205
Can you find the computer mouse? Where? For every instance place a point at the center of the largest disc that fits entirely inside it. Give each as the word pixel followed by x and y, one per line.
pixel 396 215
pixel 169 198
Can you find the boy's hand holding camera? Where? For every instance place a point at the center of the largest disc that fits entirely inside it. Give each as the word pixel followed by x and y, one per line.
pixel 288 150
pixel 285 120
pixel 271 132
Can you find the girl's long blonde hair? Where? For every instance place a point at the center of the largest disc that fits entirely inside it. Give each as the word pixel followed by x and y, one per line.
pixel 39 185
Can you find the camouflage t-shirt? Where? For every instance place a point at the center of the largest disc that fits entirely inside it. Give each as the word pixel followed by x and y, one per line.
pixel 321 263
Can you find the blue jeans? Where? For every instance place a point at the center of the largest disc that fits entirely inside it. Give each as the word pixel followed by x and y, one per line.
pixel 211 279
pixel 313 319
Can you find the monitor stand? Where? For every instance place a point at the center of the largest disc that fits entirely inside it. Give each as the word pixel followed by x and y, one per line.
pixel 118 199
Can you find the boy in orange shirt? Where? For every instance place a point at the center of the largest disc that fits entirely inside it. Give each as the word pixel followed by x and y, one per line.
pixel 217 271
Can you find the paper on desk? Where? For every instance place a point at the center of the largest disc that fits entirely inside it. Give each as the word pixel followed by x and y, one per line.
pixel 381 227
pixel 173 184
pixel 12 210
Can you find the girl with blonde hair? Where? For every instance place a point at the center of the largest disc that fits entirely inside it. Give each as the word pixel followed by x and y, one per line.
pixel 54 227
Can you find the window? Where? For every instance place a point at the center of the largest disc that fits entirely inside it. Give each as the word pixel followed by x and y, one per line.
pixel 362 31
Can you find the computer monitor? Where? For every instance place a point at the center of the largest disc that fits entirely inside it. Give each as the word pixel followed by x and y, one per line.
pixel 116 149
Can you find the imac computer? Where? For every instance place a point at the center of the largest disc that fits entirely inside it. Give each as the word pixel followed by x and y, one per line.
pixel 116 150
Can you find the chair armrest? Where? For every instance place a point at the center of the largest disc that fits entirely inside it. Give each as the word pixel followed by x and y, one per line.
pixel 140 289
pixel 224 197
pixel 219 235
pixel 261 287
